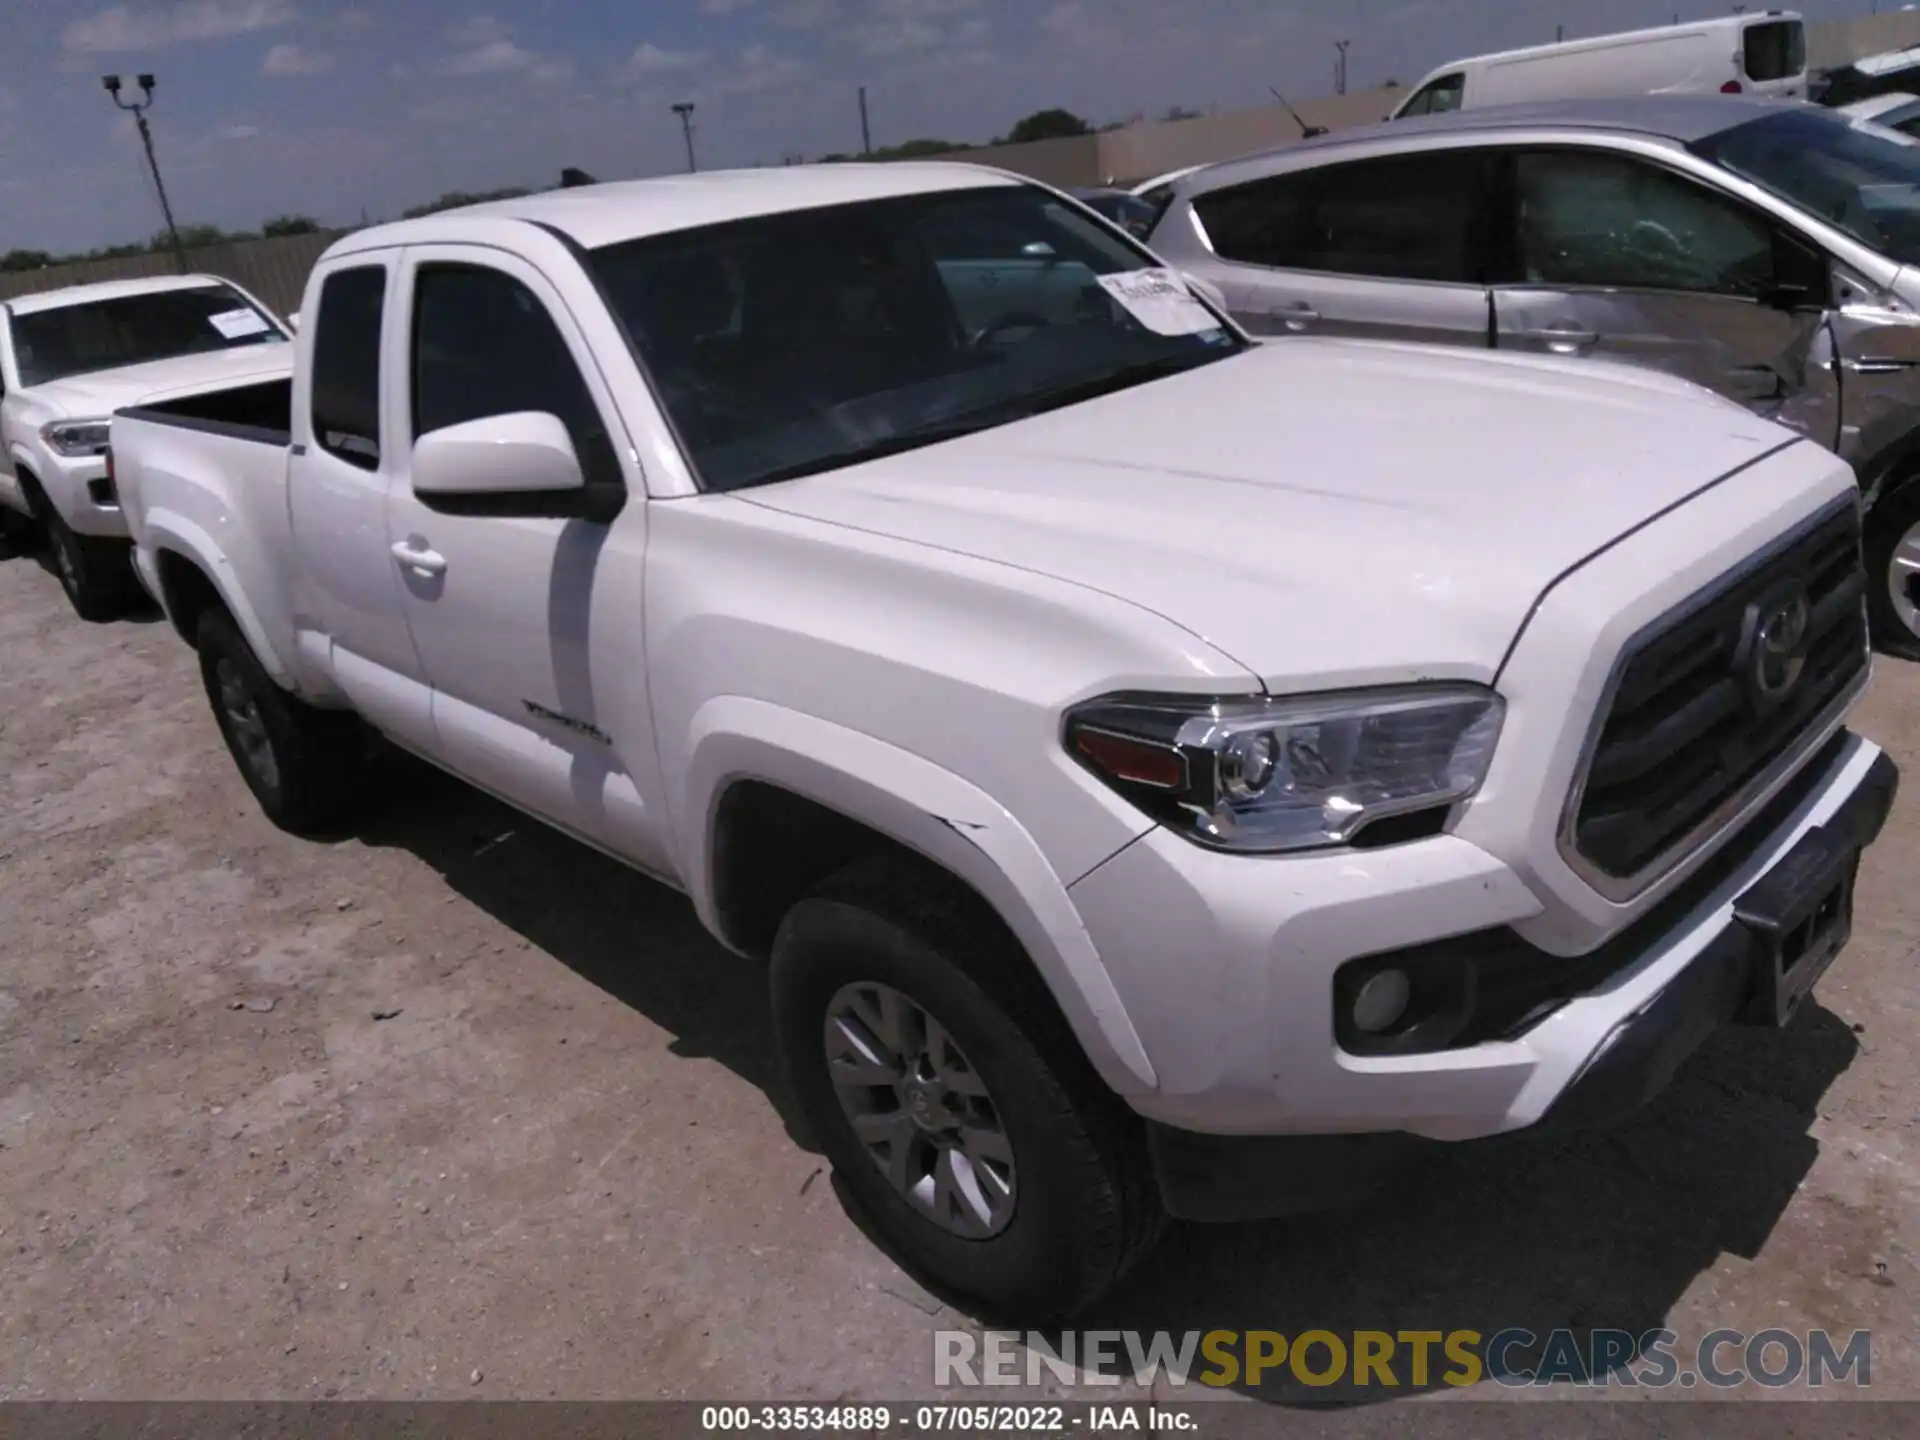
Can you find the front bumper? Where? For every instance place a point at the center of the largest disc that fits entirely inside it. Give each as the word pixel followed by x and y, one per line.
pixel 1253 1085
pixel 79 489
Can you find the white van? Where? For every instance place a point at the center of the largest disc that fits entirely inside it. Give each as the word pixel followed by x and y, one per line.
pixel 1759 54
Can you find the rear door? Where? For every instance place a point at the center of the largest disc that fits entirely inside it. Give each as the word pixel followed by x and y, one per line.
pixel 1390 248
pixel 347 618
pixel 1613 255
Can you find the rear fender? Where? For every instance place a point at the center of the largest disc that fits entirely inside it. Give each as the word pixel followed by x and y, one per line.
pixel 170 532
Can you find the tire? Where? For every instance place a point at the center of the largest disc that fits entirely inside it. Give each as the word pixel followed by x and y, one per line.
pixel 1892 552
pixel 96 574
pixel 1081 1208
pixel 300 763
pixel 16 534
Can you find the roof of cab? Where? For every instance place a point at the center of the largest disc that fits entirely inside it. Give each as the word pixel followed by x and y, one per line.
pixel 1681 119
pixel 605 214
pixel 106 290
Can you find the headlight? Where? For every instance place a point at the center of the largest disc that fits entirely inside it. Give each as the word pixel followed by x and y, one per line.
pixel 1292 773
pixel 75 437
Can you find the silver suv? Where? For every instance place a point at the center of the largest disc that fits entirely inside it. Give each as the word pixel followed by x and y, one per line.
pixel 1764 249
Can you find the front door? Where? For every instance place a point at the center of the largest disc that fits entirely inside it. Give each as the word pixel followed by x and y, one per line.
pixel 1616 257
pixel 1384 249
pixel 529 622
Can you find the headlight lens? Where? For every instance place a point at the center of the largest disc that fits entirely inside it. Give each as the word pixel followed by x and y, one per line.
pixel 75 437
pixel 1266 774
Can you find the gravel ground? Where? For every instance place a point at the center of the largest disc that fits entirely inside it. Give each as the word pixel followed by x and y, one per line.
pixel 454 1107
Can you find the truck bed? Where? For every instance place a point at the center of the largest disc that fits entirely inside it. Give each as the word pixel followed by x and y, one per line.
pixel 261 412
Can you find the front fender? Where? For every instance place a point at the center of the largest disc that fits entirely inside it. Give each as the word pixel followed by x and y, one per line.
pixel 929 810
pixel 170 532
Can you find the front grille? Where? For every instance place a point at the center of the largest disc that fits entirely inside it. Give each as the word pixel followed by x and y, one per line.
pixel 1689 728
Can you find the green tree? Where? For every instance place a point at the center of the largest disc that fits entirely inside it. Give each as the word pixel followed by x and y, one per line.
pixel 25 260
pixel 1047 125
pixel 289 225
pixel 454 199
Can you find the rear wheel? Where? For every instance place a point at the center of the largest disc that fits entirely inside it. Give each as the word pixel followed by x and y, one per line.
pixel 1893 572
pixel 300 763
pixel 956 1106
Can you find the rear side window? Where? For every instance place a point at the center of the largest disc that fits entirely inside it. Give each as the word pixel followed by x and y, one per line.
pixel 1775 50
pixel 1406 217
pixel 346 365
pixel 484 345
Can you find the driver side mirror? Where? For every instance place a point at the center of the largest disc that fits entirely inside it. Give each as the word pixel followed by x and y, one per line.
pixel 527 452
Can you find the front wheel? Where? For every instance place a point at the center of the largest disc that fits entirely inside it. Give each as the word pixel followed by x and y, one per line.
pixel 300 763
pixel 96 574
pixel 954 1104
pixel 1893 572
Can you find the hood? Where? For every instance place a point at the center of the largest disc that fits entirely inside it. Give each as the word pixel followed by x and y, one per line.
pixel 1324 512
pixel 101 392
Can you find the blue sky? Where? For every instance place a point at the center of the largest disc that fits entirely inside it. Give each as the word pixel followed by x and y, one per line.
pixel 329 108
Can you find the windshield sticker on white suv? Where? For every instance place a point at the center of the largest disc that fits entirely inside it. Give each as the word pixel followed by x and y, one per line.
pixel 237 324
pixel 1158 300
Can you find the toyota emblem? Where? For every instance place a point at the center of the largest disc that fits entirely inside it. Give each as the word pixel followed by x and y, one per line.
pixel 1777 652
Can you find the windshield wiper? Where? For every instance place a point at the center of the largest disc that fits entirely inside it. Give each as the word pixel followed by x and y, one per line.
pixel 880 448
pixel 1121 377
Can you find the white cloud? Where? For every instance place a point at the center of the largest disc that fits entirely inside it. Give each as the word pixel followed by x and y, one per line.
pixel 723 7
pixel 760 68
pixel 805 14
pixel 237 132
pixel 552 71
pixel 496 57
pixel 650 59
pixel 150 27
pixel 293 60
pixel 8 100
pixel 476 31
pixel 354 20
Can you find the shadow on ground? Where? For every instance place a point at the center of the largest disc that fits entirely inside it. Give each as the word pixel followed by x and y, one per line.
pixel 1602 1231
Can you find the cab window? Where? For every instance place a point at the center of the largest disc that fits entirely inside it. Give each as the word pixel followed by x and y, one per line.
pixel 1437 97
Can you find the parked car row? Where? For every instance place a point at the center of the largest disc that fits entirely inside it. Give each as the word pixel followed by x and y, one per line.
pixel 1165 774
pixel 1762 250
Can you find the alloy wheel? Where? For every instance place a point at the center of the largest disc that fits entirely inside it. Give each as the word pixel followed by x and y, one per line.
pixel 920 1109
pixel 1903 580
pixel 244 721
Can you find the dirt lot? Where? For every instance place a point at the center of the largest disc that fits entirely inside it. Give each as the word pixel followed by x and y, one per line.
pixel 554 1167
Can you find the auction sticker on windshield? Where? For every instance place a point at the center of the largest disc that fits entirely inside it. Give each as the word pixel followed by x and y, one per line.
pixel 236 324
pixel 1160 302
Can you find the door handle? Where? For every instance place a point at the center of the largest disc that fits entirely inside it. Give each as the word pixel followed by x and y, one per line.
pixel 1296 316
pixel 412 557
pixel 1564 339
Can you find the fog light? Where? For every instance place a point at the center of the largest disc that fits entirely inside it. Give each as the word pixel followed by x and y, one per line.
pixel 100 490
pixel 1382 1001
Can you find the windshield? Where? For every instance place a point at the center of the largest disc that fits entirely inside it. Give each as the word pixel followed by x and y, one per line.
pixel 787 344
pixel 135 330
pixel 1859 176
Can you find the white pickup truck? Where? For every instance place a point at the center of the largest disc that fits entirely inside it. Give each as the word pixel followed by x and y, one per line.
pixel 1165 774
pixel 70 358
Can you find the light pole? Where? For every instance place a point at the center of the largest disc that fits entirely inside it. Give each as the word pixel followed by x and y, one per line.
pixel 684 109
pixel 111 84
pixel 1340 71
